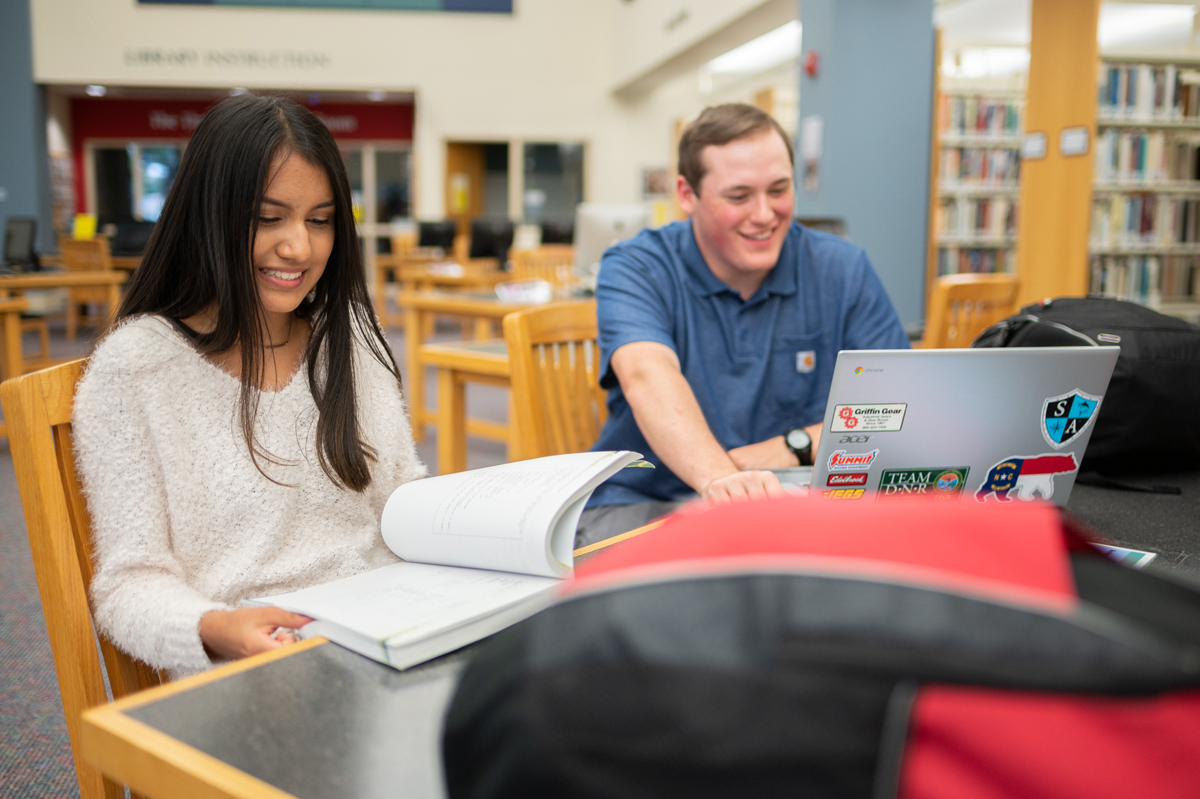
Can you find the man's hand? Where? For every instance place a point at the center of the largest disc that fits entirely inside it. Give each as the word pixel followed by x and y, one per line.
pixel 743 485
pixel 772 453
pixel 234 634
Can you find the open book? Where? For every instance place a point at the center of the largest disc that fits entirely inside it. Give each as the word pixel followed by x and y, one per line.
pixel 483 549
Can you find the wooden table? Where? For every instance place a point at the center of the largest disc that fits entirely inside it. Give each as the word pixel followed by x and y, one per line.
pixel 309 720
pixel 13 285
pixel 10 323
pixel 421 273
pixel 458 363
pixel 420 306
pixel 127 263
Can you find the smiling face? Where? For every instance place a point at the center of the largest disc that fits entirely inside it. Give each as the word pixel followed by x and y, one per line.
pixel 294 235
pixel 742 212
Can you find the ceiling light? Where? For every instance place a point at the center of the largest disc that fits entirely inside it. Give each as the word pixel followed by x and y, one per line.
pixel 377 96
pixel 759 55
pixel 238 91
pixel 96 91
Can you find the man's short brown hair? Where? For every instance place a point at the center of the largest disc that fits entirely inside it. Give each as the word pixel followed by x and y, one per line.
pixel 718 125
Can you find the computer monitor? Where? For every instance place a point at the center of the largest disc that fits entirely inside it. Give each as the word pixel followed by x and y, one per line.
pixel 437 234
pixel 129 238
pixel 558 231
pixel 598 227
pixel 491 238
pixel 19 235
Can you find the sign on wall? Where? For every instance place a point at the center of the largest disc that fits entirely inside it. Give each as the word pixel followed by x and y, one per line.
pixel 477 6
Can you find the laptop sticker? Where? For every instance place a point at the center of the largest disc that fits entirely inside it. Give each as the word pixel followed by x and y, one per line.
pixel 806 361
pixel 853 479
pixel 840 461
pixel 939 483
pixel 843 493
pixel 868 418
pixel 1066 416
pixel 1027 475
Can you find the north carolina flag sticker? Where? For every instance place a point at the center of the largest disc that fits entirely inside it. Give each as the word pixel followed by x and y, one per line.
pixel 806 361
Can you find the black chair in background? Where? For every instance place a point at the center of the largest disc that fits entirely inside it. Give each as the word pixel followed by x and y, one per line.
pixel 491 238
pixel 19 235
pixel 437 234
pixel 558 232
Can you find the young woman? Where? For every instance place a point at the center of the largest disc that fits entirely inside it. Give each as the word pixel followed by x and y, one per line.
pixel 240 431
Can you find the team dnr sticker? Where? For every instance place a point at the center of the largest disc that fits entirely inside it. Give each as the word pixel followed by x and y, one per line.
pixel 939 483
pixel 868 418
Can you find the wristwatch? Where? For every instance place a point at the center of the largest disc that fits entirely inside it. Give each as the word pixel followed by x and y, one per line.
pixel 800 443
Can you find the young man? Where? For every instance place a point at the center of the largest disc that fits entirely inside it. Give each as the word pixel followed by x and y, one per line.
pixel 718 335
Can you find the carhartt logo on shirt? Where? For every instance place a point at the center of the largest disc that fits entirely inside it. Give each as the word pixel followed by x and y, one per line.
pixel 806 361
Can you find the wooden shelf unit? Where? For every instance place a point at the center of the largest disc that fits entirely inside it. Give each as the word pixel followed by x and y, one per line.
pixel 977 143
pixel 1144 241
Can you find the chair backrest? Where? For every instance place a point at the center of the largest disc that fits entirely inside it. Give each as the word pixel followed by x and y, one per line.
pixel 37 411
pixel 19 236
pixel 554 361
pixel 962 306
pixel 551 262
pixel 85 255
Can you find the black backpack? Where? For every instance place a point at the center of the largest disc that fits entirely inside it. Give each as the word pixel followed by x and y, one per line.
pixel 1149 422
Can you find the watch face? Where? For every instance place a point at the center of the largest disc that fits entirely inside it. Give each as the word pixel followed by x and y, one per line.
pixel 798 439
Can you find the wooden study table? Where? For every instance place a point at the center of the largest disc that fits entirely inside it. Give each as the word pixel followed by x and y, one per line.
pixel 11 309
pixel 11 286
pixel 314 720
pixel 420 306
pixel 458 363
pixel 421 273
pixel 309 721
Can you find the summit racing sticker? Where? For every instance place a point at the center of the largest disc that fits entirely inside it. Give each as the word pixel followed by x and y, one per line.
pixel 867 418
pixel 1066 416
pixel 939 483
pixel 840 461
pixel 1025 475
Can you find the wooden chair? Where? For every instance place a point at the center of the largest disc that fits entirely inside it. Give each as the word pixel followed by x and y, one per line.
pixel 553 263
pixel 554 361
pixel 37 410
pixel 85 255
pixel 962 306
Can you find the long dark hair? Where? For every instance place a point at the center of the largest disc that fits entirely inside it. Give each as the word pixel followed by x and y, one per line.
pixel 200 255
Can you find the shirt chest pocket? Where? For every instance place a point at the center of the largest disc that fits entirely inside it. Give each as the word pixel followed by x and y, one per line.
pixel 798 377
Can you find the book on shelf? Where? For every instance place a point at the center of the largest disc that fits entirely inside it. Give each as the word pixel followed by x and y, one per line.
pixel 992 218
pixel 481 550
pixel 1146 91
pixel 980 165
pixel 980 115
pixel 1144 219
pixel 1130 156
pixel 961 260
pixel 1147 279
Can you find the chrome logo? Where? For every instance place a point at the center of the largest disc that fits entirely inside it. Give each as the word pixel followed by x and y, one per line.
pixel 858 371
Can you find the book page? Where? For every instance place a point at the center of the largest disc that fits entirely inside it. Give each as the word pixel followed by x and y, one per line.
pixel 517 517
pixel 406 602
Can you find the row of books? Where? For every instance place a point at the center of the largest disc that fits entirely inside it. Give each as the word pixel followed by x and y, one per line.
pixel 963 260
pixel 980 165
pixel 1144 218
pixel 1145 157
pixel 1148 279
pixel 1147 91
pixel 979 116
pixel 983 217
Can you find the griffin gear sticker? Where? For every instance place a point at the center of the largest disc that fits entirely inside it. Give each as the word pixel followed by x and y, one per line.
pixel 868 418
pixel 1026 475
pixel 1066 416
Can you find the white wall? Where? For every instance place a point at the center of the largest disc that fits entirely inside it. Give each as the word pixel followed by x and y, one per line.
pixel 543 73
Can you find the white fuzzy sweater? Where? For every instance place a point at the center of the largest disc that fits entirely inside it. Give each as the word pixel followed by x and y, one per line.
pixel 182 521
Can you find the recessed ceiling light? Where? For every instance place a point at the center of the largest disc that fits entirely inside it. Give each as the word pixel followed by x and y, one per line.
pixel 96 91
pixel 377 96
pixel 238 91
pixel 314 99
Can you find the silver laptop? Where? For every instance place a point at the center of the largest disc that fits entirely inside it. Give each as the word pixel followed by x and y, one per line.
pixel 986 425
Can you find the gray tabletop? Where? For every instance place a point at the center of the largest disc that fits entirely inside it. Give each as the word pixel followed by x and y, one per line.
pixel 328 723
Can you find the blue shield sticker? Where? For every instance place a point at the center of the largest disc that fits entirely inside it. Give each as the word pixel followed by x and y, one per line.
pixel 1066 416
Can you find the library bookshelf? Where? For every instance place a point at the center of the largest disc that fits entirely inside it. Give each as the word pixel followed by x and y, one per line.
pixel 1144 241
pixel 978 149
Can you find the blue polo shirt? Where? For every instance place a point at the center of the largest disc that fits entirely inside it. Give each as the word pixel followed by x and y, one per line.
pixel 757 367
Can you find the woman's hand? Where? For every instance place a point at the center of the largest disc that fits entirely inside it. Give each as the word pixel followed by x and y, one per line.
pixel 234 634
